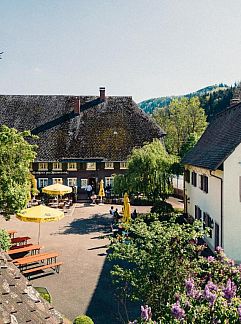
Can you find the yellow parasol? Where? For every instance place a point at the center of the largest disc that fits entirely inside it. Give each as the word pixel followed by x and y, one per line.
pixel 101 191
pixel 57 189
pixel 127 209
pixel 40 214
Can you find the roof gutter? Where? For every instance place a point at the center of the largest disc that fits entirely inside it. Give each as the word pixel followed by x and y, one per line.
pixel 221 225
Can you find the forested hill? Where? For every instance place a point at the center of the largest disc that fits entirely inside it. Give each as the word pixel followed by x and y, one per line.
pixel 213 99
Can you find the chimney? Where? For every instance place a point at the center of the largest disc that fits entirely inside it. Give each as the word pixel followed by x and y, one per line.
pixel 102 93
pixel 76 106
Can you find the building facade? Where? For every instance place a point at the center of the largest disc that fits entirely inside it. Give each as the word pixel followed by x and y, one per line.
pixel 80 139
pixel 213 181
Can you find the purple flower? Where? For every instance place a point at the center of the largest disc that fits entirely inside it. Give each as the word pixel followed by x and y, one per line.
pixel 177 311
pixel 190 288
pixel 211 259
pixel 230 290
pixel 209 292
pixel 219 249
pixel 146 313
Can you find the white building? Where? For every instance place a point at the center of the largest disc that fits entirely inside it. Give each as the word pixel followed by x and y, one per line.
pixel 212 186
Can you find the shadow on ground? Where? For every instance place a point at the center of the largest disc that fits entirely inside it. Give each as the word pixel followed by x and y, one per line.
pixel 96 223
pixel 104 306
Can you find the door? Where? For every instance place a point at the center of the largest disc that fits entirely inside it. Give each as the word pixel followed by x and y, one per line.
pixel 216 238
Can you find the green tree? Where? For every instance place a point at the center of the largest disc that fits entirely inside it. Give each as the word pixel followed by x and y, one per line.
pixel 15 156
pixel 149 172
pixel 5 241
pixel 151 268
pixel 180 119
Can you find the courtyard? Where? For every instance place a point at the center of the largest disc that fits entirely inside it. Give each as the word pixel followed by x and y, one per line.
pixel 83 285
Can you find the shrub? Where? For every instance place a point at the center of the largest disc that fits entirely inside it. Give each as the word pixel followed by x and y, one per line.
pixel 5 241
pixel 44 293
pixel 163 209
pixel 83 319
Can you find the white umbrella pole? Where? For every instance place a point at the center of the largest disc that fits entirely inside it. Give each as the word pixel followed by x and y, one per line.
pixel 38 232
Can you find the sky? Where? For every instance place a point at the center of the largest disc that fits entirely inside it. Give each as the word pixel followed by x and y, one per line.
pixel 138 48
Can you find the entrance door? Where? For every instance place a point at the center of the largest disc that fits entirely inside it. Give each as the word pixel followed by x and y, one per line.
pixel 216 235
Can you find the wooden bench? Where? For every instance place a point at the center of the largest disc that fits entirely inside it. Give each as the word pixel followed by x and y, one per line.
pixel 54 266
pixel 15 247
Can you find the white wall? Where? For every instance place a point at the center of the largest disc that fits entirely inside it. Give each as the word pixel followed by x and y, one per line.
pixel 208 202
pixel 232 205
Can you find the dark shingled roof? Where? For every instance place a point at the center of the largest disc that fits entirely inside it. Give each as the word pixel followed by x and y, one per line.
pixel 104 130
pixel 219 140
pixel 19 301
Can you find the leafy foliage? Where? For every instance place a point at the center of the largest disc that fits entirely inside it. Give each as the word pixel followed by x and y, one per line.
pixel 151 268
pixel 149 172
pixel 83 319
pixel 15 156
pixel 5 241
pixel 183 120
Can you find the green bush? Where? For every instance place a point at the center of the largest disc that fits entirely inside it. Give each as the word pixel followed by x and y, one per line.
pixel 44 293
pixel 5 241
pixel 83 319
pixel 163 209
pixel 141 202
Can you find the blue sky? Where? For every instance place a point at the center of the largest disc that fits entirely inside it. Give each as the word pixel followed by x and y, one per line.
pixel 143 48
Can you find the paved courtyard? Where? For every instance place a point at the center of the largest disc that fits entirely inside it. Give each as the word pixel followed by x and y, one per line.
pixel 83 284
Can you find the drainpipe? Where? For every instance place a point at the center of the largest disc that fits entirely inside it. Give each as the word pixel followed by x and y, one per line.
pixel 212 175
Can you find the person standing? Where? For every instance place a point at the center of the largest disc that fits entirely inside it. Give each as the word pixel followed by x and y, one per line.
pixel 89 190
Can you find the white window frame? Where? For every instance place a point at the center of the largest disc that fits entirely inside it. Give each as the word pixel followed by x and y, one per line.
pixel 72 185
pixel 43 180
pixel 91 166
pixel 83 186
pixel 56 180
pixel 123 165
pixel 109 181
pixel 57 166
pixel 72 166
pixel 109 165
pixel 43 166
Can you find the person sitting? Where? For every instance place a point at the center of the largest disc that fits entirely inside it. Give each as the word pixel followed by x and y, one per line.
pixel 134 214
pixel 93 198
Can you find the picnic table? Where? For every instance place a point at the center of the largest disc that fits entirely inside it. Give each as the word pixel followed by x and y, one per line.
pixel 21 240
pixel 25 261
pixel 11 233
pixel 34 249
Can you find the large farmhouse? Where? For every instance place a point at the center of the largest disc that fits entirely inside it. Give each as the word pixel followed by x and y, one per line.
pixel 213 181
pixel 81 139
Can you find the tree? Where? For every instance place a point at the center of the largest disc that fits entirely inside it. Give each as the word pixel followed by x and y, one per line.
pixel 15 156
pixel 5 241
pixel 149 172
pixel 151 268
pixel 180 119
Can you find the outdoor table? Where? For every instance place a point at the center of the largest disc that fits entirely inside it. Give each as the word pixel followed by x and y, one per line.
pixel 20 240
pixel 11 233
pixel 34 249
pixel 24 262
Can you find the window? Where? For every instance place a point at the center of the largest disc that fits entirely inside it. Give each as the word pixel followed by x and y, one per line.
pixel 194 179
pixel 72 166
pixel 72 182
pixel 57 180
pixel 57 166
pixel 109 181
pixel 123 165
pixel 198 212
pixel 43 166
pixel 187 176
pixel 109 165
pixel 204 183
pixel 42 182
pixel 83 183
pixel 91 166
